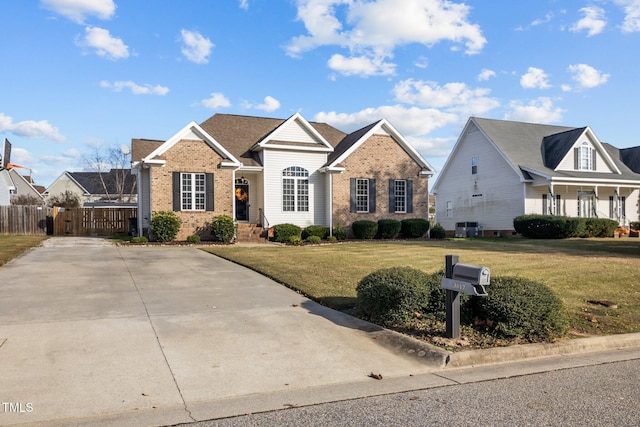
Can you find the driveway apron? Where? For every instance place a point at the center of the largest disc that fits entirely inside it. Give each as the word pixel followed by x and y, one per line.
pixel 90 329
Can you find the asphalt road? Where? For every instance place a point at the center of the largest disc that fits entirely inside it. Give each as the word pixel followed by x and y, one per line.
pixel 600 395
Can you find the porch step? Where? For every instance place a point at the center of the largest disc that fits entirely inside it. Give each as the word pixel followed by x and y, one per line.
pixel 250 233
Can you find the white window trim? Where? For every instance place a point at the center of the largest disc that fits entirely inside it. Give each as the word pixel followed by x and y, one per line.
pixel 193 192
pixel 362 196
pixel 297 175
pixel 402 198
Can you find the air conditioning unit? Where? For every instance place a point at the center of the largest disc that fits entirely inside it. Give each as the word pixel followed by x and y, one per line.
pixel 467 229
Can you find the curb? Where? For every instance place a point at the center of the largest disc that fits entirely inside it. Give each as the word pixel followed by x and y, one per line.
pixel 529 351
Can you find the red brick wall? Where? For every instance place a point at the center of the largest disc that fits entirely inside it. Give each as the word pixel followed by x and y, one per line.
pixel 381 158
pixel 192 156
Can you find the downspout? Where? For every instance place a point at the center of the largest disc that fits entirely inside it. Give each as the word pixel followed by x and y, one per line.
pixel 330 178
pixel 139 199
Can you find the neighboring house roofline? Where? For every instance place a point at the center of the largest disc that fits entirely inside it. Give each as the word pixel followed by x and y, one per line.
pixel 352 141
pixel 85 192
pixel 152 159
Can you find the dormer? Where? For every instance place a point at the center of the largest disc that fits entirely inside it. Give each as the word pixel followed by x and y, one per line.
pixel 577 150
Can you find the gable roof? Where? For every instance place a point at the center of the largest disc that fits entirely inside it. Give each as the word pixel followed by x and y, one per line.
pixel 352 141
pixel 631 158
pixel 91 182
pixel 532 147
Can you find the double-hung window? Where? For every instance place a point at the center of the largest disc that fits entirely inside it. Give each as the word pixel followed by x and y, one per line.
pixel 192 191
pixel 400 190
pixel 295 189
pixel 585 157
pixel 362 195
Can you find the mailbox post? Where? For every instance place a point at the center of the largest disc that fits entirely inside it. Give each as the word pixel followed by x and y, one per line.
pixel 468 279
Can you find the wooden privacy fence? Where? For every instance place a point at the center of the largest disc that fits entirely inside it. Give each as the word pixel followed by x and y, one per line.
pixel 92 221
pixel 24 220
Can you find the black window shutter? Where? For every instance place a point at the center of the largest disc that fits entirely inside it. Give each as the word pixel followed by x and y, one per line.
pixel 392 196
pixel 409 191
pixel 209 191
pixel 352 195
pixel 372 195
pixel 176 191
pixel 593 159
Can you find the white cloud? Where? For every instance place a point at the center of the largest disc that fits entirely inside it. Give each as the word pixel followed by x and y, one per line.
pixel 269 104
pixel 216 100
pixel 196 48
pixel 631 8
pixel 539 110
pixel 244 4
pixel 535 78
pixel 593 21
pixel 361 66
pixel 79 10
pixel 586 76
pixel 30 128
pixel 486 74
pixel 374 29
pixel 104 43
pixel 135 88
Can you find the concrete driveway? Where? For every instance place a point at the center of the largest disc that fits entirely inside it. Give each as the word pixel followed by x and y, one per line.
pixel 96 333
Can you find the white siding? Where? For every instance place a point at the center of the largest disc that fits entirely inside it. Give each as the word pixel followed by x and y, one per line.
pixel 492 197
pixel 275 161
pixel 568 163
pixel 5 185
pixel 295 132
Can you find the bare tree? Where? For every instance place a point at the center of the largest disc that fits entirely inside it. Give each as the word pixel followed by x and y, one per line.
pixel 115 161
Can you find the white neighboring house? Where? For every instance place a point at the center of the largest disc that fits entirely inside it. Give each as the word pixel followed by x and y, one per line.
pixel 501 169
pixel 13 185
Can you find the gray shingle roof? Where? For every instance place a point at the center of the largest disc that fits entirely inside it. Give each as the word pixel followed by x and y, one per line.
pixel 92 181
pixel 540 148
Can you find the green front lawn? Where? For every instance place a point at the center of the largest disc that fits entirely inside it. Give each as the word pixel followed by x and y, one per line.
pixel 12 246
pixel 577 270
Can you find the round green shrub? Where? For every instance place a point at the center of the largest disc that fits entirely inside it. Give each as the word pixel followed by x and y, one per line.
pixel 518 307
pixel 388 228
pixel 282 233
pixel 393 295
pixel 139 239
pixel 313 239
pixel 364 229
pixel 295 240
pixel 315 230
pixel 414 228
pixel 437 232
pixel 194 238
pixel 332 239
pixel 339 232
pixel 223 229
pixel 165 226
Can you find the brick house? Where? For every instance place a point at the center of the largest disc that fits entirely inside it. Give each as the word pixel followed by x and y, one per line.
pixel 265 171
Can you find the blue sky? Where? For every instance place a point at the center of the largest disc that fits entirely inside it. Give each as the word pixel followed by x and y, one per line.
pixel 78 75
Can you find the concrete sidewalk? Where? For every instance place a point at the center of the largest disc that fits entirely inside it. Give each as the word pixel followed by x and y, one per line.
pixel 106 335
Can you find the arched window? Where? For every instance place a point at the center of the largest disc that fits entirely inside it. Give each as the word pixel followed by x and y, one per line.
pixel 295 189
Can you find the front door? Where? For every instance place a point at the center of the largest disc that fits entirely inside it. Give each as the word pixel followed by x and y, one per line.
pixel 242 202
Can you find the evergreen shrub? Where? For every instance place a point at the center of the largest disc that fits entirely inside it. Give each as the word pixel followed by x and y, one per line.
pixel 223 229
pixel 315 230
pixel 414 228
pixel 364 229
pixel 389 228
pixel 282 233
pixel 165 225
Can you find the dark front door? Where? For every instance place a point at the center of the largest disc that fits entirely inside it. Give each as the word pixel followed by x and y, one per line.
pixel 242 202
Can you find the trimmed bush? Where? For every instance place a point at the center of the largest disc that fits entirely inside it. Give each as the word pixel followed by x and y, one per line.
pixel 223 229
pixel 414 228
pixel 393 295
pixel 635 225
pixel 139 239
pixel 165 226
pixel 339 232
pixel 364 229
pixel 282 233
pixel 294 240
pixel 315 230
pixel 313 239
pixel 194 238
pixel 518 307
pixel 560 227
pixel 332 239
pixel 388 228
pixel 437 232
